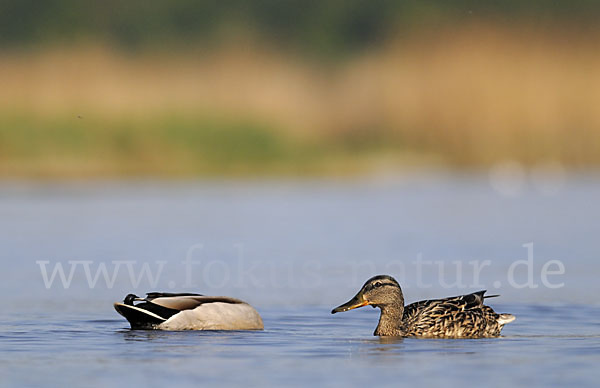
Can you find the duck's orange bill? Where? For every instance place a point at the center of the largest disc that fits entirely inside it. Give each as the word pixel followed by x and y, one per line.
pixel 365 303
pixel 350 305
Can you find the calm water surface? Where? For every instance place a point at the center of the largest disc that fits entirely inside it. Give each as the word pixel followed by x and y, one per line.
pixel 295 250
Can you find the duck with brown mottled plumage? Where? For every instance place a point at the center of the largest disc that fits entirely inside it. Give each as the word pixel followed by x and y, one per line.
pixel 462 316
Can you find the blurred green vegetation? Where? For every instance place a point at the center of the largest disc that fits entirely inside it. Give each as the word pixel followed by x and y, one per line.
pixel 168 146
pixel 174 146
pixel 322 27
pixel 188 88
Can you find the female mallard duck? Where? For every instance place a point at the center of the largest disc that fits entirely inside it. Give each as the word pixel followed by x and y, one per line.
pixel 462 316
pixel 168 311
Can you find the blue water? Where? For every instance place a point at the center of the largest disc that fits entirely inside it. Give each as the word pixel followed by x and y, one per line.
pixel 295 250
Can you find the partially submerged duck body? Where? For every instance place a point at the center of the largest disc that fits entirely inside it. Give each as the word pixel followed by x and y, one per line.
pixel 185 311
pixel 463 316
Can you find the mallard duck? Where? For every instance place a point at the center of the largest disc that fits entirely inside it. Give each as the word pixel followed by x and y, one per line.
pixel 185 311
pixel 463 316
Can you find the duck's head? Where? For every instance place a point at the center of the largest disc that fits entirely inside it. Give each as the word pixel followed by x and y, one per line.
pixel 379 291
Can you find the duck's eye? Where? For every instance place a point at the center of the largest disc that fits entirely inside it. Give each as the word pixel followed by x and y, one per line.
pixel 378 284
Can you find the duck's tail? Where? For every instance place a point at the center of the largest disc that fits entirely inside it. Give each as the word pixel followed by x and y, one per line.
pixel 505 318
pixel 138 317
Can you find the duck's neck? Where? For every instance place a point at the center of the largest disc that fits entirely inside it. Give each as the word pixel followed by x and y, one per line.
pixel 390 320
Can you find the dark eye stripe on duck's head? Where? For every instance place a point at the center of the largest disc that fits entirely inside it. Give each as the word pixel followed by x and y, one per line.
pixel 380 281
pixel 379 284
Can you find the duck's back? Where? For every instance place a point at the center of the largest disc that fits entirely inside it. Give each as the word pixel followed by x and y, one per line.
pixel 463 316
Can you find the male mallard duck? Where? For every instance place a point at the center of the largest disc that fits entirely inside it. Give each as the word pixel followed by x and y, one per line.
pixel 462 316
pixel 168 311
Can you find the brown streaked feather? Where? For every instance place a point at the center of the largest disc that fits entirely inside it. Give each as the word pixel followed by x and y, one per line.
pixel 462 316
pixel 468 301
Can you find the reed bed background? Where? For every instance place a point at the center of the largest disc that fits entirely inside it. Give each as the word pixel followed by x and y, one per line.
pixel 463 97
